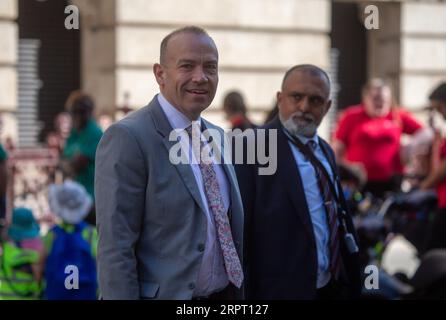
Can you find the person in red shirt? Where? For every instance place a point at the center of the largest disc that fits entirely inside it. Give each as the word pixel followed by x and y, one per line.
pixel 367 138
pixel 437 177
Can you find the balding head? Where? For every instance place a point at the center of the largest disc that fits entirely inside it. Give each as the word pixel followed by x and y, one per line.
pixel 310 69
pixel 189 29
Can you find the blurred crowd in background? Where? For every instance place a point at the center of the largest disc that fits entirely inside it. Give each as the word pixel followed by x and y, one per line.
pixel 394 192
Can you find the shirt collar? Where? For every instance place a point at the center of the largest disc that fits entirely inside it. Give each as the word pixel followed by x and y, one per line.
pixel 302 138
pixel 175 117
pixel 305 140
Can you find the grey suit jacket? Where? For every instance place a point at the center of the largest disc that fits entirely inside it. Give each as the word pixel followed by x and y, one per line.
pixel 150 217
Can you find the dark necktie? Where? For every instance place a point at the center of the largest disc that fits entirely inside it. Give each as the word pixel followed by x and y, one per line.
pixel 331 210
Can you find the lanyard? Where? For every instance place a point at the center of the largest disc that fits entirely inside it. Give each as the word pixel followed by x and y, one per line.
pixel 306 151
pixel 349 240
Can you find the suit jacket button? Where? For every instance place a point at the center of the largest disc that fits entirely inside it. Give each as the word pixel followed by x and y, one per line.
pixel 201 247
pixel 191 286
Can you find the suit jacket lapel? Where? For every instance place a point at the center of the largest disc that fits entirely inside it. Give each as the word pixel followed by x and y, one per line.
pixel 163 127
pixel 291 180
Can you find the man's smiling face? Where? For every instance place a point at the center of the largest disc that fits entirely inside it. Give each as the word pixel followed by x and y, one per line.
pixel 188 76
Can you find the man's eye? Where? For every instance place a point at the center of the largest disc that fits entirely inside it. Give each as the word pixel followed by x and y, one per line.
pixel 211 68
pixel 187 66
pixel 297 97
pixel 316 101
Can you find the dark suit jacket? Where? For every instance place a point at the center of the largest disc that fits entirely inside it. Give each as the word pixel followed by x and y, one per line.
pixel 280 247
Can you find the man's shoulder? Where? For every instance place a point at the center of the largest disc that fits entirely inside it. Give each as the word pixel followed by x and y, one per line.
pixel 325 143
pixel 137 117
pixel 137 123
pixel 274 123
pixel 327 147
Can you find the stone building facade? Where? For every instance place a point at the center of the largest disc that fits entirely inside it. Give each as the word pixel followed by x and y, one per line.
pixel 118 43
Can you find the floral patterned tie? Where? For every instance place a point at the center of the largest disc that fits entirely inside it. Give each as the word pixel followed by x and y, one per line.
pixel 215 202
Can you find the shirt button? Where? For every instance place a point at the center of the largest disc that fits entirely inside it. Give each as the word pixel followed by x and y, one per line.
pixel 201 247
pixel 191 286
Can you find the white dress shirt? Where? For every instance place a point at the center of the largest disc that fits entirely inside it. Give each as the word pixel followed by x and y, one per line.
pixel 315 205
pixel 212 276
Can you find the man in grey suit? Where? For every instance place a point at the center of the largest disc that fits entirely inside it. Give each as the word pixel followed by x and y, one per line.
pixel 169 231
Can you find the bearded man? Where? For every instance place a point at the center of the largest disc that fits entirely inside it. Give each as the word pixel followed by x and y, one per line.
pixel 299 238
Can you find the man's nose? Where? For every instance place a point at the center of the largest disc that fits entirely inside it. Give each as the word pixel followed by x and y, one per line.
pixel 304 105
pixel 199 75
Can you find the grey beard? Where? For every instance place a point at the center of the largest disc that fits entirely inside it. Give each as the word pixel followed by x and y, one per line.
pixel 293 128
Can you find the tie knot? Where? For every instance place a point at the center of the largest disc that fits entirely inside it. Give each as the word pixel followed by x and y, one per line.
pixel 193 130
pixel 312 144
pixel 195 135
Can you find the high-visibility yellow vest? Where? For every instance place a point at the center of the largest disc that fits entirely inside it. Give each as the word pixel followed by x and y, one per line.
pixel 16 278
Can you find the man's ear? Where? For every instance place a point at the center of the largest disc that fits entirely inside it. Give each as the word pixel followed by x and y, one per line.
pixel 158 71
pixel 278 97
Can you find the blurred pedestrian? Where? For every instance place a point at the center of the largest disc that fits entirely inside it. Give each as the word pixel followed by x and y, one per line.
pixel 236 111
pixel 367 138
pixel 418 155
pixel 57 138
pixel 3 185
pixel 437 177
pixel 78 158
pixel 72 242
pixel 20 272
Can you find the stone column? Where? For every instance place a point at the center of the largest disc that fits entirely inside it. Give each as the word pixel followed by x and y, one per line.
pixel 409 49
pixel 98 52
pixel 384 44
pixel 423 52
pixel 8 68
